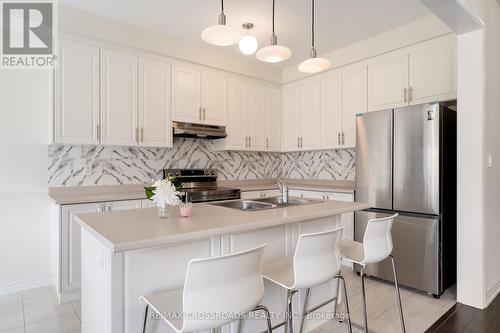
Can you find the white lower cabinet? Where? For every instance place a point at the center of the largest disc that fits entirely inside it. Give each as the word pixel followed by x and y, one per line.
pixel 67 252
pixel 260 194
pixel 347 219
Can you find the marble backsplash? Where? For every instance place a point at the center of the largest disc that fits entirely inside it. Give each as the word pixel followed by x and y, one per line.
pixel 99 165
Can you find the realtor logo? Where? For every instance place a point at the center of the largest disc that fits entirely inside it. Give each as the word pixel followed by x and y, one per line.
pixel 28 34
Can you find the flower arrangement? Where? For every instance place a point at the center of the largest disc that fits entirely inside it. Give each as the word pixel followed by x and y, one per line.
pixel 164 192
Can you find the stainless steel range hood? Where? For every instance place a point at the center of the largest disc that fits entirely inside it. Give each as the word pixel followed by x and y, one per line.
pixel 188 130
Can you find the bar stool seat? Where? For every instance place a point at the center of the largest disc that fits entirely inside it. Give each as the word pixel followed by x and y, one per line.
pixel 316 261
pixel 280 271
pixel 352 250
pixel 166 302
pixel 216 292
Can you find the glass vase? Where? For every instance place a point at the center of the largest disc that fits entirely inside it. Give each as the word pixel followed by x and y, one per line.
pixel 163 212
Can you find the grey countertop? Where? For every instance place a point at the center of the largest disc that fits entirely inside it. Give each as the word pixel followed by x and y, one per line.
pixel 141 228
pixel 85 194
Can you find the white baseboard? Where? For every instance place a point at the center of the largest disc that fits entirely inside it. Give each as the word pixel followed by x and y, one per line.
pixel 491 294
pixel 24 285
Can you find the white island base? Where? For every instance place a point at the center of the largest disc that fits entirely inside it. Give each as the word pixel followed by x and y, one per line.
pixel 115 272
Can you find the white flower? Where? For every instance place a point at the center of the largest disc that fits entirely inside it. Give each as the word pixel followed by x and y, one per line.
pixel 165 193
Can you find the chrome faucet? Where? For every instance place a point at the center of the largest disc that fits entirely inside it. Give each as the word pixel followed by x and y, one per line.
pixel 284 190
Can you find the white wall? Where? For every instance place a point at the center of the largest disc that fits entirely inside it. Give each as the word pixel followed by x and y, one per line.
pixel 492 146
pixel 406 35
pixel 76 21
pixel 25 101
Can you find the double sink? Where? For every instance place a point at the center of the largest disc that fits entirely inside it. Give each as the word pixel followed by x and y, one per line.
pixel 265 203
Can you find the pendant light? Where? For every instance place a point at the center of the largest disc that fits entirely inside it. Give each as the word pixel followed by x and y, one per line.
pixel 248 43
pixel 274 52
pixel 221 34
pixel 314 64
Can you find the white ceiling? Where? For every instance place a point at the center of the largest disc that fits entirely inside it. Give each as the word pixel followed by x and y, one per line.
pixel 338 22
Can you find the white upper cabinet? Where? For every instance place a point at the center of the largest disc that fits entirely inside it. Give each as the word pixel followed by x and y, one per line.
pixel 214 99
pixel 433 74
pixel 388 83
pixel 77 94
pixel 310 137
pixel 331 110
pixel 155 129
pixel 292 103
pixel 273 120
pixel 354 102
pixel 199 98
pixel 186 95
pixel 425 73
pixel 118 98
pixel 237 135
pixel 302 116
pixel 255 117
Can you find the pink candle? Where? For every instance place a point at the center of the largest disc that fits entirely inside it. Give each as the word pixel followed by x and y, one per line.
pixel 186 209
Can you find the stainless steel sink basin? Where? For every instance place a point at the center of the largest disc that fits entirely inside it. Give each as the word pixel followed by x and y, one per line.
pixel 264 203
pixel 292 201
pixel 245 205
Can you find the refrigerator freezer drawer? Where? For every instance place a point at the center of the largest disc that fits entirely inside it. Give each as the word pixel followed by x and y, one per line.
pixel 416 250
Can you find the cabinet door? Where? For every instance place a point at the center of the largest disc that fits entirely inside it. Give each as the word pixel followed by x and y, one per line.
pixel 77 94
pixel 273 120
pixel 331 111
pixel 347 218
pixel 214 99
pixel 118 99
pixel 155 126
pixel 236 130
pixel 292 105
pixel 354 101
pixel 70 244
pixel 310 118
pixel 123 205
pixel 186 96
pixel 433 74
pixel 387 81
pixel 255 116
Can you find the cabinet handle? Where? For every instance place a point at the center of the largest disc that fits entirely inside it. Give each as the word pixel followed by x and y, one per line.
pixel 301 142
pixel 298 142
pixel 199 113
pixel 343 138
pixel 142 134
pixel 249 141
pixel 410 94
pixel 137 134
pixel 204 114
pixel 98 131
pixel 267 142
pixel 338 138
pixel 246 141
pixel 405 95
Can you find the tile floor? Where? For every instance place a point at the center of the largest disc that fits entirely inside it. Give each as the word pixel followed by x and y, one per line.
pixel 420 310
pixel 37 311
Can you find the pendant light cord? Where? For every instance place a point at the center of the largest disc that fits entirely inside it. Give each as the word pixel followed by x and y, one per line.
pixel 312 25
pixel 222 5
pixel 273 17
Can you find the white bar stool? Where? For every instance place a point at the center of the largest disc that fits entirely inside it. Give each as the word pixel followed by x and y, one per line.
pixel 316 260
pixel 228 285
pixel 376 246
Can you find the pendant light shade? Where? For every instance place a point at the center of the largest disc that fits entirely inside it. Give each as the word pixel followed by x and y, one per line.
pixel 221 34
pixel 248 43
pixel 314 64
pixel 274 52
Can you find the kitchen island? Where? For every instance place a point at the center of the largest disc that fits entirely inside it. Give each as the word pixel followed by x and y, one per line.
pixel 129 253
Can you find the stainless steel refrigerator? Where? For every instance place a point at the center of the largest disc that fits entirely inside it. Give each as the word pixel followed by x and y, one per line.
pixel 406 163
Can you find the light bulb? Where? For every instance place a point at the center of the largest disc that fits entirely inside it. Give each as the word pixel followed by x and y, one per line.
pixel 248 44
pixel 314 65
pixel 274 53
pixel 221 35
